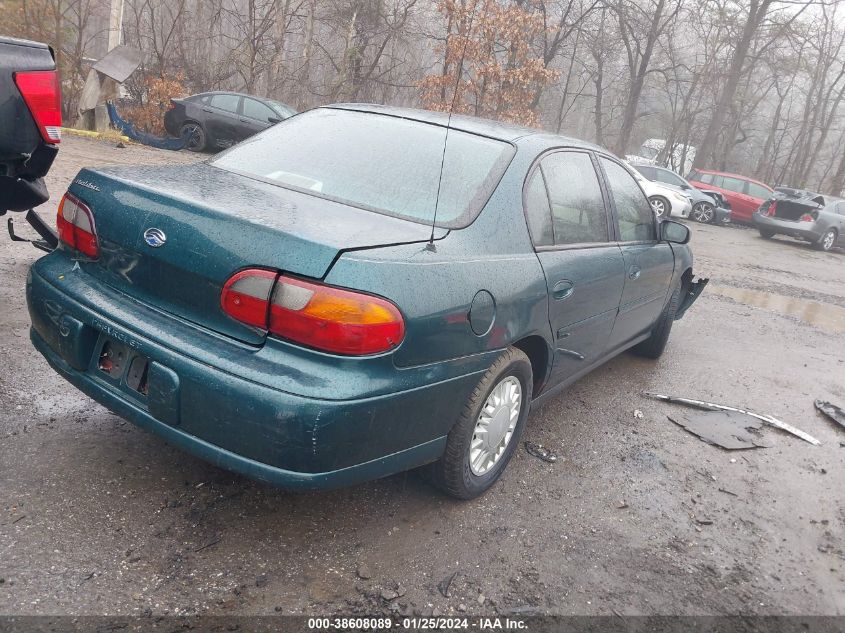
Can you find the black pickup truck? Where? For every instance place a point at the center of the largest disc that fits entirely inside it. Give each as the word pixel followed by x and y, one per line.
pixel 30 122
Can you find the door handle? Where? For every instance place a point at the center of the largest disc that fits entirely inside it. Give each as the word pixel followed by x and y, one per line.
pixel 206 109
pixel 634 272
pixel 243 121
pixel 563 289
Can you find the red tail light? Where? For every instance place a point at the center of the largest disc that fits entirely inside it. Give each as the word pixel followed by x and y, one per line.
pixel 76 226
pixel 312 314
pixel 40 91
pixel 771 210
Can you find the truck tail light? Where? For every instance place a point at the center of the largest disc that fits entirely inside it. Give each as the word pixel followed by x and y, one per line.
pixel 312 314
pixel 75 223
pixel 40 91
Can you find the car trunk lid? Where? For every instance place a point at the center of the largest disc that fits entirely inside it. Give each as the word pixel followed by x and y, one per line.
pixel 789 209
pixel 214 223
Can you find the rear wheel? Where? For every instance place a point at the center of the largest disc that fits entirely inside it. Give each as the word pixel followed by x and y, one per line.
pixel 654 345
pixel 827 240
pixel 766 235
pixel 703 212
pixel 483 440
pixel 661 206
pixel 197 140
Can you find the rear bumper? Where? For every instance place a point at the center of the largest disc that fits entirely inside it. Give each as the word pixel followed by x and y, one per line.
pixel 291 440
pixel 800 230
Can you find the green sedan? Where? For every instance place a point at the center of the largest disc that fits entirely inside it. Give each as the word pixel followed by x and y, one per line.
pixel 357 291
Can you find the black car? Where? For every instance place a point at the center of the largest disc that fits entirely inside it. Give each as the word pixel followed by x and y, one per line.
pixel 707 206
pixel 220 119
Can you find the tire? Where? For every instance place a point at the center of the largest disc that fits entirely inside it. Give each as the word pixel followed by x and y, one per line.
pixel 454 473
pixel 661 206
pixel 198 140
pixel 826 241
pixel 703 212
pixel 766 235
pixel 654 345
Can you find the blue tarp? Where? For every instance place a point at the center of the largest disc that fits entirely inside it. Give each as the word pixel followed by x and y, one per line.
pixel 145 138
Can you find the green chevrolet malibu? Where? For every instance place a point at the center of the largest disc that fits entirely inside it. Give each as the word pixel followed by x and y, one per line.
pixel 357 291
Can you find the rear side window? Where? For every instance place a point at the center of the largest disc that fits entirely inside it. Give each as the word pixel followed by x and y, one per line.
pixel 648 172
pixel 537 210
pixel 578 213
pixel 670 178
pixel 636 219
pixel 733 184
pixel 758 191
pixel 229 103
pixel 706 178
pixel 695 175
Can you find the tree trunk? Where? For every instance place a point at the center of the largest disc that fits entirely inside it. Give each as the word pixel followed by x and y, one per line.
pixel 707 150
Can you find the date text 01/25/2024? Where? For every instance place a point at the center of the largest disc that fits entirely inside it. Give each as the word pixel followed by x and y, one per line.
pixel 418 624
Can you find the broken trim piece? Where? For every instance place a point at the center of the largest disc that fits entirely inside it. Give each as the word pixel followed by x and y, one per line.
pixel 692 293
pixel 701 404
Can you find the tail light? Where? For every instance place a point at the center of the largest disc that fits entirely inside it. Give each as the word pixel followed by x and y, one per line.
pixel 771 210
pixel 313 314
pixel 807 217
pixel 76 226
pixel 40 91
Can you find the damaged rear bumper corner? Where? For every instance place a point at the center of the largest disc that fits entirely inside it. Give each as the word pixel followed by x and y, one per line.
pixel 691 293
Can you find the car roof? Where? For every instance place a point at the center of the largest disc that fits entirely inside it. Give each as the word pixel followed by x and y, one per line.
pixel 732 175
pixel 473 125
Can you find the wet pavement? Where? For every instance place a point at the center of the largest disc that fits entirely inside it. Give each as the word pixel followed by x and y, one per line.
pixel 636 516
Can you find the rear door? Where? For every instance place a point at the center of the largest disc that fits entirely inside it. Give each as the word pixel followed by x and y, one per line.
pixel 223 119
pixel 255 117
pixel 571 230
pixel 648 263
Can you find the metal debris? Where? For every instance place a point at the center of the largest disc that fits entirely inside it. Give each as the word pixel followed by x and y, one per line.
pixel 728 429
pixel 537 450
pixel 638 414
pixel 832 411
pixel 712 406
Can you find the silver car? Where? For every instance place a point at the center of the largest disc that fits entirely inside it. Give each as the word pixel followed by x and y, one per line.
pixel 815 218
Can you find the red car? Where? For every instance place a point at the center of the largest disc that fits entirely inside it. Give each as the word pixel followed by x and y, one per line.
pixel 744 194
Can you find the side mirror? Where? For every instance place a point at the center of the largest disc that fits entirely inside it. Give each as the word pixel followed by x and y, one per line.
pixel 675 232
pixel 686 187
pixel 274 120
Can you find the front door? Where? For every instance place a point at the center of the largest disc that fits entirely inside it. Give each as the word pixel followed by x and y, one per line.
pixel 255 117
pixel 583 266
pixel 649 264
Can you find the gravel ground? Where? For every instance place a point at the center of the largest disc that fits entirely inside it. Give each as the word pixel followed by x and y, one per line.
pixel 637 517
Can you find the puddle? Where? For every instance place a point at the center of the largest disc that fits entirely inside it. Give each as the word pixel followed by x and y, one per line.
pixel 824 316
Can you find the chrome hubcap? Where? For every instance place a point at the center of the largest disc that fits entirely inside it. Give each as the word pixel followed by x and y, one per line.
pixel 658 207
pixel 495 425
pixel 828 241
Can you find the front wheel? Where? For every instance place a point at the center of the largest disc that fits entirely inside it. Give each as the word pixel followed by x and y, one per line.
pixel 484 438
pixel 703 212
pixel 766 235
pixel 654 345
pixel 827 240
pixel 661 206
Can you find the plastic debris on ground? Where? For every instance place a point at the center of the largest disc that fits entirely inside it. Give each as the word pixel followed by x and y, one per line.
pixel 837 414
pixel 712 406
pixel 728 429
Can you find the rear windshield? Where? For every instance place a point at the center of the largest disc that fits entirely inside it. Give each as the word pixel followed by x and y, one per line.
pixel 381 163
